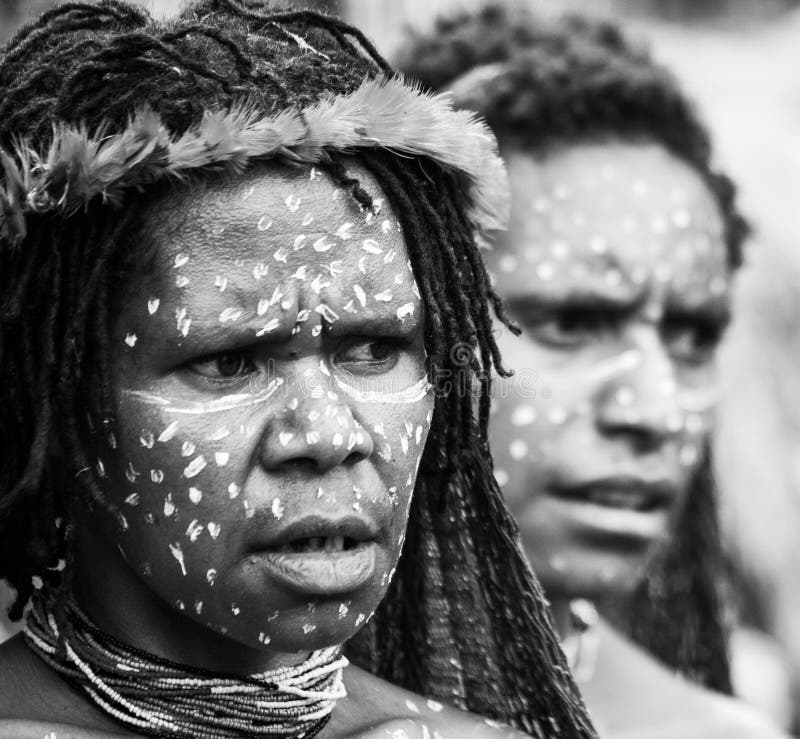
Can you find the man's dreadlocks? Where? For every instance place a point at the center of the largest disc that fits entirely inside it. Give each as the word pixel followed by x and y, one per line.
pixel 470 629
pixel 553 83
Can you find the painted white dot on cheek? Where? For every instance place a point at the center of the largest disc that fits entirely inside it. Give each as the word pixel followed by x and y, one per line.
pixel 518 449
pixel 130 473
pixel 688 455
pixel 233 490
pixel 624 396
pixel 195 495
pixel 193 530
pixel 507 263
pixel 695 423
pixel 221 458
pixel 152 305
pixel 195 467
pixel 523 415
pixel 169 432
pixel 598 244
pixel 502 477
pixel 277 508
pixel 177 553
pixel 557 415
pixel 131 339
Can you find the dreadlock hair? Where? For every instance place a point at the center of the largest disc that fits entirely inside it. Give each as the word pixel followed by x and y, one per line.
pixel 550 83
pixel 470 629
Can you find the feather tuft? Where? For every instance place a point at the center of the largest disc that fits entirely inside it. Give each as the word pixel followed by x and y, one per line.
pixel 383 112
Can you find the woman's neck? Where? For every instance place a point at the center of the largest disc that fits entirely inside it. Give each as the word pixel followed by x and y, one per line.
pixel 104 588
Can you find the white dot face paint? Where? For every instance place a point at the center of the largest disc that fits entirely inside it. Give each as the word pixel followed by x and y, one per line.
pixel 616 269
pixel 247 463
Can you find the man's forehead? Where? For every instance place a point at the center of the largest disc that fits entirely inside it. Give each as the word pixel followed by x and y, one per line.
pixel 609 209
pixel 611 185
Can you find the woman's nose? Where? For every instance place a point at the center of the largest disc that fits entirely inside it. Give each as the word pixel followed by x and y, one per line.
pixel 316 429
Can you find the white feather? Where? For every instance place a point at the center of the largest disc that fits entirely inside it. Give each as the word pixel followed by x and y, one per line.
pixel 384 113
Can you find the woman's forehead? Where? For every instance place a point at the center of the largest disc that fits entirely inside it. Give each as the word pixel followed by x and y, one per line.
pixel 276 241
pixel 236 215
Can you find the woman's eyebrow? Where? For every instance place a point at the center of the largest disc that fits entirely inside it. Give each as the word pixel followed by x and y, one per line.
pixel 402 320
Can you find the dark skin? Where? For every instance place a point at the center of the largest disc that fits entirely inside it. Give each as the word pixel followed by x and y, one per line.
pixel 372 709
pixel 204 434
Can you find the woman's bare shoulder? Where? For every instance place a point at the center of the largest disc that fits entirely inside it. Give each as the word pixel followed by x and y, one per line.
pixel 19 729
pixel 383 710
pixel 36 702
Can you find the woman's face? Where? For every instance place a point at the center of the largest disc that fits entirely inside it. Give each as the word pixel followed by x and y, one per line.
pixel 615 268
pixel 272 406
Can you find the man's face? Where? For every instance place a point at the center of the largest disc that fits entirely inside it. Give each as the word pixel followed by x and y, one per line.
pixel 615 267
pixel 272 406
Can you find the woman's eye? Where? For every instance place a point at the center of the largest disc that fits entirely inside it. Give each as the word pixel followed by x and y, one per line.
pixel 368 355
pixel 691 341
pixel 570 327
pixel 223 366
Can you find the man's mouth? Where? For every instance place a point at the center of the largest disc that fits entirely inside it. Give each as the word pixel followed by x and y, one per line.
pixel 626 493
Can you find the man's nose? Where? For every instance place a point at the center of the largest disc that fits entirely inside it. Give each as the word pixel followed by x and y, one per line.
pixel 640 400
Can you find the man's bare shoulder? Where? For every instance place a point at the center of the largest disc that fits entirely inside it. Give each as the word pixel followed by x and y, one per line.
pixel 731 719
pixel 382 710
pixel 631 696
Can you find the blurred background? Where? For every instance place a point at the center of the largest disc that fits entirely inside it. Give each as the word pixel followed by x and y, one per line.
pixel 740 60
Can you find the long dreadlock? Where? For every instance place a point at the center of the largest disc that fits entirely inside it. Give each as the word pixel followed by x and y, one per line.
pixel 552 83
pixel 466 628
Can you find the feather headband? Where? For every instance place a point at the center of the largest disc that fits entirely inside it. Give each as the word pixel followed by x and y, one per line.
pixel 381 113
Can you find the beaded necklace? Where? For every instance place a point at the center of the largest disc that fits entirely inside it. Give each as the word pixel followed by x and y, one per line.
pixel 581 645
pixel 165 699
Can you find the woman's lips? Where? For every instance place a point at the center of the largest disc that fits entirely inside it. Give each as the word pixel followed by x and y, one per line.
pixel 328 570
pixel 318 555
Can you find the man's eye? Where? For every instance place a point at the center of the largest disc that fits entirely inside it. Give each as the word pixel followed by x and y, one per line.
pixel 569 327
pixel 691 340
pixel 227 365
pixel 368 355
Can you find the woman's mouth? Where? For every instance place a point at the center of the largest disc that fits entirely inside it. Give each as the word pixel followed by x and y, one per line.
pixel 327 544
pixel 317 556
